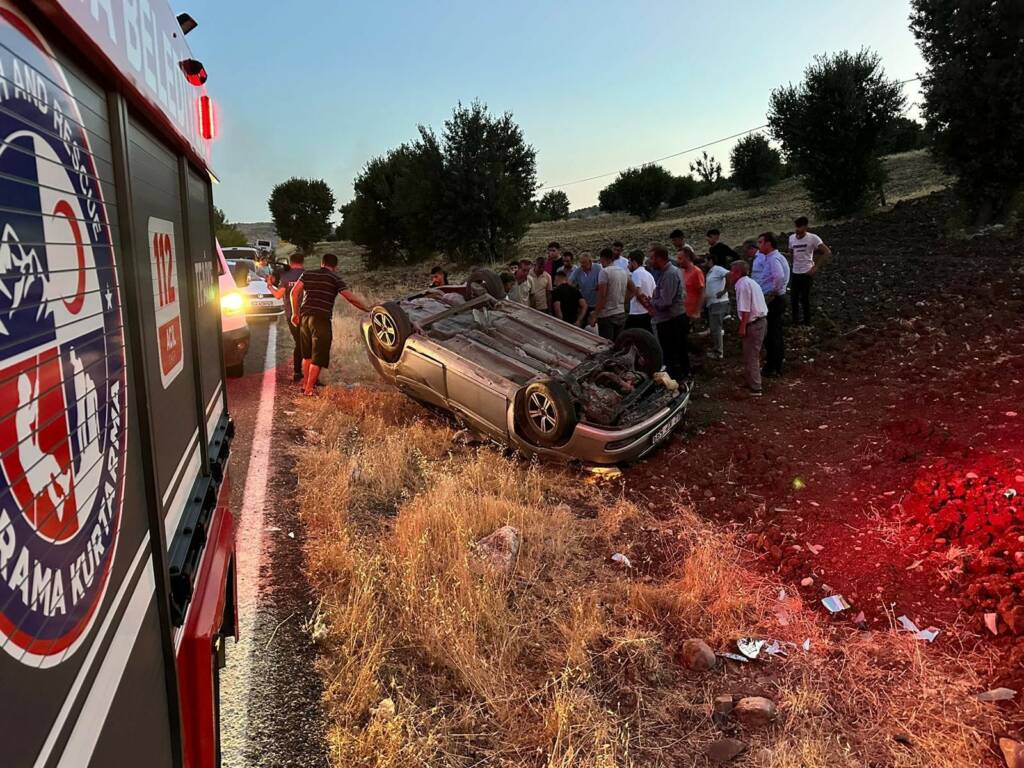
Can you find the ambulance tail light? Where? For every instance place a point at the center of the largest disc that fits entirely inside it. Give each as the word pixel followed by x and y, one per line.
pixel 207 118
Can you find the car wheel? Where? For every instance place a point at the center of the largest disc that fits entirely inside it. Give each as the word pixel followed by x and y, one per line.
pixel 546 414
pixel 389 329
pixel 490 281
pixel 235 371
pixel 646 346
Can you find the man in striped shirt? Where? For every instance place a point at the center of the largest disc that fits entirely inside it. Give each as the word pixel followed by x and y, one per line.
pixel 313 298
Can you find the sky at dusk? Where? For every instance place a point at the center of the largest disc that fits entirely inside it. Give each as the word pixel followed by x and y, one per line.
pixel 317 87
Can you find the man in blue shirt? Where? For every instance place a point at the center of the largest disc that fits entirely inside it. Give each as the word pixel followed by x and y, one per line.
pixel 585 277
pixel 771 272
pixel 282 289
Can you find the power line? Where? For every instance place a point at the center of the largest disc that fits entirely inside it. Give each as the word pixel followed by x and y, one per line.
pixel 677 154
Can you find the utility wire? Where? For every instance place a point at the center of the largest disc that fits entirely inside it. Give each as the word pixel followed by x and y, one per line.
pixel 677 154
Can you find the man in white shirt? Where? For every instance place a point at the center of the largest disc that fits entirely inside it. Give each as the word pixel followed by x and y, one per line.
pixel 643 283
pixel 540 286
pixel 808 252
pixel 753 313
pixel 716 299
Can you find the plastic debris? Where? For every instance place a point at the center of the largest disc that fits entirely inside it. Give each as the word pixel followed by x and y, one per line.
pixel 861 620
pixel 291 535
pixel 775 649
pixel 618 557
pixel 997 694
pixel 782 594
pixel 1010 493
pixel 991 621
pixel 835 603
pixel 806 644
pixel 605 473
pixel 750 647
pixel 928 635
pixel 734 657
pixel 814 548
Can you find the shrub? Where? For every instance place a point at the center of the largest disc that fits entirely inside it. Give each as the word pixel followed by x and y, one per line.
pixel 301 211
pixel 756 165
pixel 228 235
pixel 830 125
pixel 972 96
pixel 637 191
pixel 682 190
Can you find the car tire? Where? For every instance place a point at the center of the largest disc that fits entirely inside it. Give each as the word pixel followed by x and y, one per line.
pixel 489 279
pixel 545 413
pixel 235 371
pixel 649 357
pixel 389 329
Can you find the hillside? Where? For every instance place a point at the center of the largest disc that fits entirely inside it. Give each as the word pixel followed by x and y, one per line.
pixel 258 230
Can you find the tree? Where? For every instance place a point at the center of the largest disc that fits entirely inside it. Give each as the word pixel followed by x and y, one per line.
pixel 488 180
pixel 553 206
pixel 301 211
pixel 709 170
pixel 682 190
pixel 973 102
pixel 228 235
pixel 829 128
pixel 902 135
pixel 756 165
pixel 637 191
pixel 392 212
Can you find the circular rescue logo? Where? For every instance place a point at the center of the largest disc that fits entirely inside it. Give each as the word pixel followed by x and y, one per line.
pixel 62 374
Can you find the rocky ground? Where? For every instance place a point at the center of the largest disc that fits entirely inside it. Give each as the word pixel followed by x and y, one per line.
pixel 888 464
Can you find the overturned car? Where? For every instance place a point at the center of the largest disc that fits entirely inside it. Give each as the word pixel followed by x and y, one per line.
pixel 523 377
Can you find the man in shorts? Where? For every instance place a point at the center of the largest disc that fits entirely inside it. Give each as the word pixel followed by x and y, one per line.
pixel 313 298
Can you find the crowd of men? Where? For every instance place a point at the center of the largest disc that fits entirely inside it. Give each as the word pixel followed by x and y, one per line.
pixel 673 292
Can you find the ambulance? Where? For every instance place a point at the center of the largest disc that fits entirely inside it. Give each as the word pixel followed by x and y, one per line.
pixel 116 537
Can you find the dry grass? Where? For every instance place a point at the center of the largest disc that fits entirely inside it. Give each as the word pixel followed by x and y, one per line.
pixel 569 660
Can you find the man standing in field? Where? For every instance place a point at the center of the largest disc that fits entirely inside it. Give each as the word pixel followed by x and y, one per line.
pixel 668 313
pixel 618 259
pixel 520 292
pixel 566 265
pixel 551 263
pixel 567 302
pixel 585 278
pixel 718 252
pixel 808 251
pixel 613 287
pixel 693 292
pixel 282 289
pixel 540 286
pixel 752 311
pixel 716 300
pixel 312 307
pixel 643 285
pixel 678 240
pixel 770 272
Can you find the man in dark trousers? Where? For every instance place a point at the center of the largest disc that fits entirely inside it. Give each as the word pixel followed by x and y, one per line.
pixel 771 272
pixel 808 252
pixel 668 312
pixel 282 289
pixel 312 307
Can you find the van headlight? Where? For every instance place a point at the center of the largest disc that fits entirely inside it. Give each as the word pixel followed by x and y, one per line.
pixel 231 302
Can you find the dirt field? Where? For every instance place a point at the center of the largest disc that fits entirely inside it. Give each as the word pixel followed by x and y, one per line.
pixel 883 467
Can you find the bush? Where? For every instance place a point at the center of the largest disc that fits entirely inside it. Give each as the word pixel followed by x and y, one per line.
pixel 553 206
pixel 682 190
pixel 637 191
pixel 756 165
pixel 973 101
pixel 902 135
pixel 301 211
pixel 830 125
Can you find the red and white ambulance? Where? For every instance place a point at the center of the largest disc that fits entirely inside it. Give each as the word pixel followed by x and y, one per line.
pixel 116 541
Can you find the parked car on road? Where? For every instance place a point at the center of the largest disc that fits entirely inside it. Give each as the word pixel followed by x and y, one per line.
pixel 234 328
pixel 523 377
pixel 259 301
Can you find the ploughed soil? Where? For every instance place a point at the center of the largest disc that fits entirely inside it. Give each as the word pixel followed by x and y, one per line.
pixel 887 465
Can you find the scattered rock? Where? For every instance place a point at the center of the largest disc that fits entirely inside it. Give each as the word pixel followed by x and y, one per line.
pixel 1013 753
pixel 724 750
pixel 724 704
pixel 697 655
pixel 500 549
pixel 755 711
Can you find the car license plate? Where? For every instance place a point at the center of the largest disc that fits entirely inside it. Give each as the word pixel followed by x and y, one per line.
pixel 666 428
pixel 264 303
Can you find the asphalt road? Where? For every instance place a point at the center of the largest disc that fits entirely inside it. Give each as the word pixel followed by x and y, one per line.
pixel 270 691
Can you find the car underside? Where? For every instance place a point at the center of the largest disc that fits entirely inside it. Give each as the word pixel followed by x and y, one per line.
pixel 525 377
